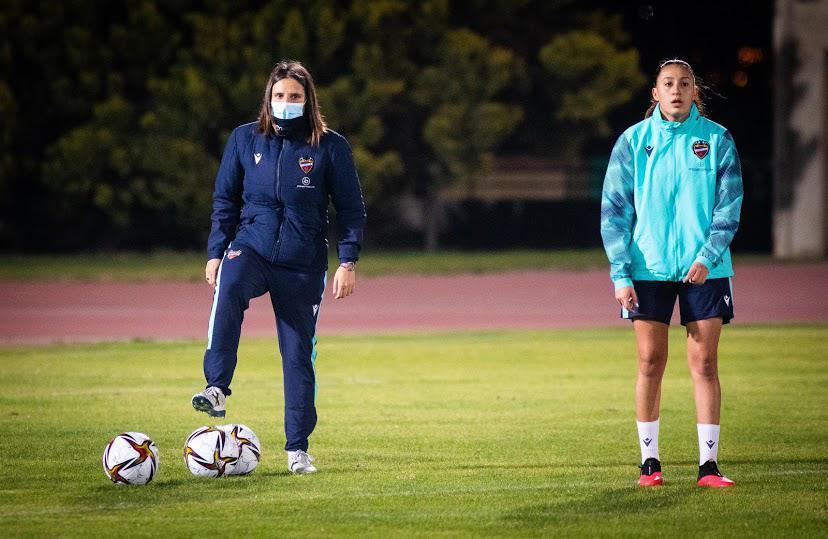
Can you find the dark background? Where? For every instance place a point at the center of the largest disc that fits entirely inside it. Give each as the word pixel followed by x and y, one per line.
pixel 709 36
pixel 49 206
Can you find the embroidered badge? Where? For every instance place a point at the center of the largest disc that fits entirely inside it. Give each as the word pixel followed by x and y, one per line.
pixel 701 148
pixel 257 157
pixel 306 164
pixel 649 150
pixel 233 254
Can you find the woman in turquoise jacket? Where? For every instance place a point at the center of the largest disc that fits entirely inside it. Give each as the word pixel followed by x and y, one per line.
pixel 670 208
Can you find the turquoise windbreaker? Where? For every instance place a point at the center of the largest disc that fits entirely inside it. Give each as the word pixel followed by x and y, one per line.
pixel 672 196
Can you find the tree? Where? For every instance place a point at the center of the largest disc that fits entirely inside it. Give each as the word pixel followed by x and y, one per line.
pixel 114 116
pixel 588 76
pixel 464 120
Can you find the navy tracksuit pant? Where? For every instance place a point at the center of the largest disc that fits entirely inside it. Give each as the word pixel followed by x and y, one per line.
pixel 295 296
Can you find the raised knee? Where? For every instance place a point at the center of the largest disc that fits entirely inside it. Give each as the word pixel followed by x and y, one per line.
pixel 235 288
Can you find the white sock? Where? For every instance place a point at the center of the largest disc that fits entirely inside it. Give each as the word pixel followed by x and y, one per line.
pixel 648 439
pixel 708 442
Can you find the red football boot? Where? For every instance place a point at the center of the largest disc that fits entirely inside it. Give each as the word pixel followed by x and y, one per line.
pixel 710 476
pixel 650 473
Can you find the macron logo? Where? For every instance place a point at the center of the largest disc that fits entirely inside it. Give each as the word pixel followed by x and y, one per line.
pixel 727 300
pixel 257 157
pixel 315 309
pixel 710 444
pixel 647 441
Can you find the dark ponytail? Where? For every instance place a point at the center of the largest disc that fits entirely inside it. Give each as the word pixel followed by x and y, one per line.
pixel 698 100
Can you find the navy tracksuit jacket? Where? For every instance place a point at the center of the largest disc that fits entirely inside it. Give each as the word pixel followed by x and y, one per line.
pixel 269 227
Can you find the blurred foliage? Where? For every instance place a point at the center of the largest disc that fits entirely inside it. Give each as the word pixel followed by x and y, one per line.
pixel 590 73
pixel 113 115
pixel 465 122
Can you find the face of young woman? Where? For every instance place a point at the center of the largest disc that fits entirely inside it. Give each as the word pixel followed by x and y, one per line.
pixel 674 91
pixel 288 91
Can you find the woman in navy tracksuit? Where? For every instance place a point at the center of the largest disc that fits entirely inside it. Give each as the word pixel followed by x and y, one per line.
pixel 269 228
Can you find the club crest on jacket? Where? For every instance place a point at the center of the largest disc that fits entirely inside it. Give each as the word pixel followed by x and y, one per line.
pixel 306 164
pixel 701 148
pixel 233 254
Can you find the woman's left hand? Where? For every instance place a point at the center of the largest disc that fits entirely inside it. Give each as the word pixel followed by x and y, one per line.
pixel 344 282
pixel 697 274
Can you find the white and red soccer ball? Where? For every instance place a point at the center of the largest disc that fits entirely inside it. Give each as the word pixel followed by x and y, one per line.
pixel 250 450
pixel 131 458
pixel 211 452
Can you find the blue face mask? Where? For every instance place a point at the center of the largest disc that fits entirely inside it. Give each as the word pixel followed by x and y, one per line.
pixel 283 110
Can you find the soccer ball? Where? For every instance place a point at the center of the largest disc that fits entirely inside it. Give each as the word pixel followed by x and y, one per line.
pixel 210 452
pixel 130 458
pixel 250 451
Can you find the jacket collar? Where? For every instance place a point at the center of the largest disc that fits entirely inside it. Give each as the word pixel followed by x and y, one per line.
pixel 675 127
pixel 293 129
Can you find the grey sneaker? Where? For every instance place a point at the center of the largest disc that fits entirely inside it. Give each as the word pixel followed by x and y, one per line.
pixel 211 400
pixel 299 462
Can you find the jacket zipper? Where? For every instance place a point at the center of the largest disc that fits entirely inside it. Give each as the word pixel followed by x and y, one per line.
pixel 278 193
pixel 677 269
pixel 279 172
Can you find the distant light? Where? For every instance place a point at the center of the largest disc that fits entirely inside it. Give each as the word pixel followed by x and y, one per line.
pixel 750 55
pixel 740 79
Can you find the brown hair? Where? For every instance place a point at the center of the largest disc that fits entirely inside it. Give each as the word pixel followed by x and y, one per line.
pixel 296 71
pixel 698 100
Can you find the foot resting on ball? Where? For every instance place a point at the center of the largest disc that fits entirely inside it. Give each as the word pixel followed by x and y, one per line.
pixel 211 401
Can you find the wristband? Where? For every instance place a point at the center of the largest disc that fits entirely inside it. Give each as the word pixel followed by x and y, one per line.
pixel 348 265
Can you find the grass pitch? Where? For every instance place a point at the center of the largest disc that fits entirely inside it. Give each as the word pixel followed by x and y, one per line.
pixel 165 266
pixel 161 266
pixel 483 434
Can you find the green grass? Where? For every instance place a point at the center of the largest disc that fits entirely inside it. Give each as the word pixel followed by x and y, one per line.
pixel 469 434
pixel 188 266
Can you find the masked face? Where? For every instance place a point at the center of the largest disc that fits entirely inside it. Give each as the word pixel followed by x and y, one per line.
pixel 287 99
pixel 286 111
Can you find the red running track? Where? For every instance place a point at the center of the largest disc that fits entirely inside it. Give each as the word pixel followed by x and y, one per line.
pixel 34 313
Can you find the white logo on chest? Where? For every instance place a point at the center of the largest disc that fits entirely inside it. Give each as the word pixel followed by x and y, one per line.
pixel 305 184
pixel 257 157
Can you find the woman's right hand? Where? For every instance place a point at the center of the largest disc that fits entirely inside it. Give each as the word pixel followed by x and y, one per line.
pixel 627 297
pixel 211 270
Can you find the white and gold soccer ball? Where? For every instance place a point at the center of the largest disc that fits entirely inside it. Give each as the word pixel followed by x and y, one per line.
pixel 130 458
pixel 210 452
pixel 250 451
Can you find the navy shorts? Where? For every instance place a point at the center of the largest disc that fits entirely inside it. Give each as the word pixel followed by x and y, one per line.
pixel 656 300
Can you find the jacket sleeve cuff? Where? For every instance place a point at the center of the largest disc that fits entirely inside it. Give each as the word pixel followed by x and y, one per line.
pixel 348 253
pixel 704 261
pixel 621 283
